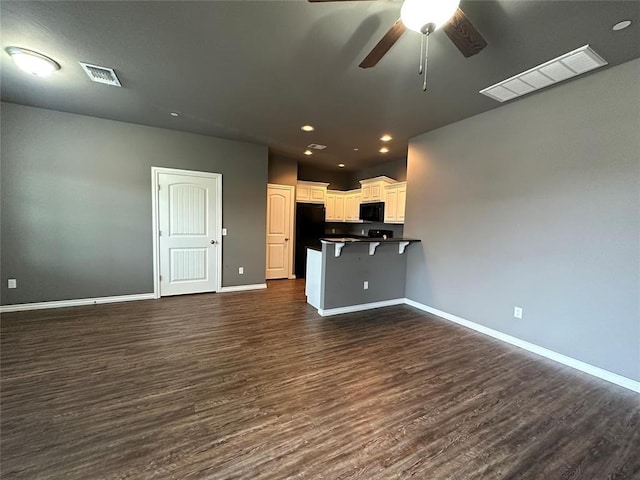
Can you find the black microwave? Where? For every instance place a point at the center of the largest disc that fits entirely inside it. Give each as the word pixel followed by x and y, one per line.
pixel 372 212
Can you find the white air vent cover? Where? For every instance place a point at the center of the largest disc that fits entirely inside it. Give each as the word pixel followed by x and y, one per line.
pixel 101 74
pixel 565 66
pixel 316 146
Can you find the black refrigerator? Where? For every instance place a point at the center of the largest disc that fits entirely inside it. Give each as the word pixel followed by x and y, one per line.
pixel 309 230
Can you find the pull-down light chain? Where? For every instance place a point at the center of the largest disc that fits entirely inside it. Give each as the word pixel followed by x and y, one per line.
pixel 421 69
pixel 424 56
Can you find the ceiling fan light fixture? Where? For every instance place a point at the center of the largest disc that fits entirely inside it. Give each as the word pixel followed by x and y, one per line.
pixel 425 16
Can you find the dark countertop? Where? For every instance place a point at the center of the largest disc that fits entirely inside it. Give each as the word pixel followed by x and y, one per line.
pixel 357 239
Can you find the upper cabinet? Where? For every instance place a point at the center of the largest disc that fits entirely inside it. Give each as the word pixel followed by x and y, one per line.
pixel 352 206
pixel 335 202
pixel 395 199
pixel 345 206
pixel 373 189
pixel 311 192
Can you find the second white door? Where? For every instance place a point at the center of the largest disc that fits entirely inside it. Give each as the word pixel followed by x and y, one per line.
pixel 279 229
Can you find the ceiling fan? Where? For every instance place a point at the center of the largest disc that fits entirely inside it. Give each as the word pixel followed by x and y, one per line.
pixel 426 16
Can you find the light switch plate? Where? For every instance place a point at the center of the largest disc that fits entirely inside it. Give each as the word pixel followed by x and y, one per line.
pixel 224 232
pixel 12 283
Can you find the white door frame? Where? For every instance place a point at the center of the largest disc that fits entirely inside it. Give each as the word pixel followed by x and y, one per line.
pixel 155 173
pixel 292 216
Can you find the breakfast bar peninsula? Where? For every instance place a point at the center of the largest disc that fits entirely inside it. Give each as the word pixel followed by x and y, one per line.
pixel 350 274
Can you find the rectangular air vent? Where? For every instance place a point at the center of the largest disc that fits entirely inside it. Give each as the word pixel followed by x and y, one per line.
pixel 315 146
pixel 562 68
pixel 101 74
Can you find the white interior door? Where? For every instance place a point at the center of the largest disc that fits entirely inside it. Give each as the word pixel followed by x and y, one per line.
pixel 189 232
pixel 279 228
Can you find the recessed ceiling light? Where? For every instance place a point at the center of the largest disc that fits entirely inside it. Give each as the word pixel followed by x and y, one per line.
pixel 383 150
pixel 308 152
pixel 621 25
pixel 174 114
pixel 32 62
pixel 341 165
pixel 307 128
pixel 386 137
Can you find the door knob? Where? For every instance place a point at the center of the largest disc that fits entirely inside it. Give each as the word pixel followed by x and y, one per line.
pixel 213 242
pixel 286 239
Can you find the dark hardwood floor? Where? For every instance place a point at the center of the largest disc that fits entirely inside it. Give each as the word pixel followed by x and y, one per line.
pixel 255 385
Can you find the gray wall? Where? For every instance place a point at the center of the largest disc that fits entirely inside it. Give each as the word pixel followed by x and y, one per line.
pixel 76 203
pixel 337 179
pixel 343 277
pixel 536 204
pixel 282 170
pixel 396 169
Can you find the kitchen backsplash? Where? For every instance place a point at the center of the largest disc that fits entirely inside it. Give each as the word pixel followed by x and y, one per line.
pixel 357 228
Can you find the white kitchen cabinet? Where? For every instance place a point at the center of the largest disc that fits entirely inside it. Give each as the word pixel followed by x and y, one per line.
pixel 395 199
pixel 352 206
pixel 373 188
pixel 335 203
pixel 311 192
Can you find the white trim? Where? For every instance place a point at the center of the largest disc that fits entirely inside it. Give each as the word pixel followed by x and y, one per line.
pixel 155 172
pixel 544 352
pixel 362 306
pixel 242 288
pixel 21 307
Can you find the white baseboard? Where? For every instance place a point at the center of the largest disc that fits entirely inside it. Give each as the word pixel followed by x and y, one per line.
pixel 358 308
pixel 544 352
pixel 242 288
pixel 21 307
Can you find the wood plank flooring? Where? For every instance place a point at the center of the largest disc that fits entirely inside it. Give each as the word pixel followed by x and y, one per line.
pixel 255 385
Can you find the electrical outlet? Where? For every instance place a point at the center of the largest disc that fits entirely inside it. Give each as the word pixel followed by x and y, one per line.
pixel 241 270
pixel 12 283
pixel 362 231
pixel 517 312
pixel 333 230
pixel 366 285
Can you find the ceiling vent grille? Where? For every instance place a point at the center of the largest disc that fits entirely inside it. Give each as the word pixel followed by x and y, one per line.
pixel 316 146
pixel 562 68
pixel 101 74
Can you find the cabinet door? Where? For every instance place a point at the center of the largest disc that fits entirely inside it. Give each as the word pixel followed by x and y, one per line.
pixel 402 202
pixel 303 193
pixel 366 193
pixel 391 206
pixel 355 207
pixel 376 192
pixel 339 207
pixel 317 195
pixel 330 204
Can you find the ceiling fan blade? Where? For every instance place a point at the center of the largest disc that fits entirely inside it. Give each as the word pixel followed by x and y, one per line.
pixel 464 35
pixel 383 46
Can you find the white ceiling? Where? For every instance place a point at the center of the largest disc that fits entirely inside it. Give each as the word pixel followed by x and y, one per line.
pixel 258 70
